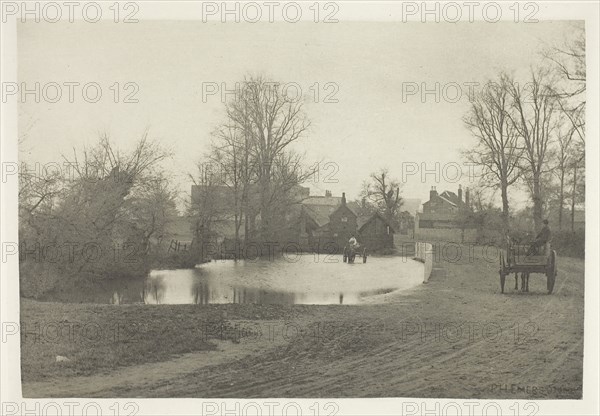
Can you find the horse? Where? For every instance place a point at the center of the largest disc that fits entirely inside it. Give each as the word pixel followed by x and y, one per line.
pixel 524 281
pixel 350 253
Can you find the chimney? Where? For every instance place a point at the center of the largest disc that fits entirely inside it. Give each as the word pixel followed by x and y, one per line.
pixel 467 198
pixel 432 193
pixel 460 192
pixel 343 198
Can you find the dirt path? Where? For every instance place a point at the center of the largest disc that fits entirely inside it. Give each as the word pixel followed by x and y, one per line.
pixel 457 336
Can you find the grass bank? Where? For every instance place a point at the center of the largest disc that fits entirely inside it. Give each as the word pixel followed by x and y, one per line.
pixel 99 338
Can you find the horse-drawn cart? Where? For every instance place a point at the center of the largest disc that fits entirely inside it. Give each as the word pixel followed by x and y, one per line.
pixel 520 259
pixel 350 253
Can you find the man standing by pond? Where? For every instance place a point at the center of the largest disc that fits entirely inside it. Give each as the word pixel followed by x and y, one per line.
pixel 352 242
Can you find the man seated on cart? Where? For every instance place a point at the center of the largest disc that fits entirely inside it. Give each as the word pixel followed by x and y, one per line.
pixel 540 240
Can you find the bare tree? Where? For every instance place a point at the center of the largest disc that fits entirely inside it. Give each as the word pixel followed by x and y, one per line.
pixel 208 208
pixel 565 158
pixel 108 200
pixel 155 208
pixel 231 156
pixel 577 178
pixel 273 122
pixel 569 62
pixel 535 109
pixel 384 193
pixel 497 151
pixel 39 187
pixel 104 182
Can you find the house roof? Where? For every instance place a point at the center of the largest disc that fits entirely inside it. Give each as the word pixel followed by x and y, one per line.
pixel 365 220
pixel 318 213
pixel 360 221
pixel 451 197
pixel 354 207
pixel 319 208
pixel 333 201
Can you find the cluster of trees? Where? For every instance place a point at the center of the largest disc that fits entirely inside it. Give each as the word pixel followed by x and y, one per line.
pixel 531 134
pixel 95 217
pixel 252 158
pixel 381 193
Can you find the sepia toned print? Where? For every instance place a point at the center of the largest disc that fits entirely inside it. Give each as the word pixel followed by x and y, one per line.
pixel 269 200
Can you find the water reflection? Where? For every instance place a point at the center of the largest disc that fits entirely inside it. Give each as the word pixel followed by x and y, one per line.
pixel 204 293
pixel 304 281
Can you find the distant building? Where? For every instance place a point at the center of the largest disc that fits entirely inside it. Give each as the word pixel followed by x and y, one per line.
pixel 444 217
pixel 376 232
pixel 446 204
pixel 314 222
pixel 328 222
pixel 220 201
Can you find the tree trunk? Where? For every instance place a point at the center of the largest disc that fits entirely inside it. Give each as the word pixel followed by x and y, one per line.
pixel 238 222
pixel 505 224
pixel 265 206
pixel 537 202
pixel 561 197
pixel 573 198
pixel 246 230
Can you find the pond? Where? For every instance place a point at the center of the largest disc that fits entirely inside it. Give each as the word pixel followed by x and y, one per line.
pixel 303 279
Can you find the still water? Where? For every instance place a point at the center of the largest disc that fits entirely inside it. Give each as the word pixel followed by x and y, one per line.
pixel 303 279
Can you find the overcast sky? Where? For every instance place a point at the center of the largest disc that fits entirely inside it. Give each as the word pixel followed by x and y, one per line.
pixel 369 127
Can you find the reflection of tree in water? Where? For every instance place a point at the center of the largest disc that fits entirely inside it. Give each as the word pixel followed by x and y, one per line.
pixel 118 291
pixel 154 290
pixel 201 292
pixel 116 299
pixel 252 295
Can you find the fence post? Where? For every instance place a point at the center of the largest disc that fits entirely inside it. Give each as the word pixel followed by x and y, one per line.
pixel 424 254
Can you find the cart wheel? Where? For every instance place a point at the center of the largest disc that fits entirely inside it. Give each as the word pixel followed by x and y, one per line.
pixel 551 271
pixel 502 273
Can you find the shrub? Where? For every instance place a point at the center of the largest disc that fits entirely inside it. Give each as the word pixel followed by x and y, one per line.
pixel 569 243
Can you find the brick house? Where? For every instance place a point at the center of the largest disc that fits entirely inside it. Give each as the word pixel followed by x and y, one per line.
pixel 443 217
